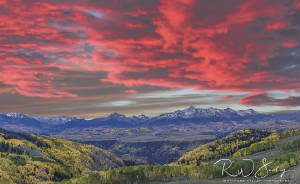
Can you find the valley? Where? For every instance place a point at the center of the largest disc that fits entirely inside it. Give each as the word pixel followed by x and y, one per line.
pixel 180 145
pixel 282 166
pixel 29 159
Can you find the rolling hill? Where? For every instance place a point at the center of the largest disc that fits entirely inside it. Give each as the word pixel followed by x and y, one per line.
pixel 282 151
pixel 240 143
pixel 29 158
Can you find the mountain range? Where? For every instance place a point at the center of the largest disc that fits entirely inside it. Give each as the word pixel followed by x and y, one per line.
pixel 40 124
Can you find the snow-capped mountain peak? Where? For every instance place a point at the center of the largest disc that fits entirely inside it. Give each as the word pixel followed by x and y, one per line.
pixel 193 112
pixel 55 120
pixel 116 115
pixel 190 109
pixel 17 115
pixel 139 118
pixel 143 117
pixel 247 112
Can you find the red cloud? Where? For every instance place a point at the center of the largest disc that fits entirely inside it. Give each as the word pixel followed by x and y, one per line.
pixel 275 25
pixel 215 59
pixel 130 91
pixel 183 43
pixel 32 81
pixel 288 44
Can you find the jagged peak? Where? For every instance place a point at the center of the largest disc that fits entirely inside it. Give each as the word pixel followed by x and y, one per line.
pixel 116 115
pixel 143 116
pixel 191 108
pixel 247 112
pixel 56 119
pixel 17 115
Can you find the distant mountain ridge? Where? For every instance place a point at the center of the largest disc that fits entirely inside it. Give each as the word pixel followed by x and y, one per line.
pixel 185 113
pixel 56 120
pixel 41 124
pixel 193 112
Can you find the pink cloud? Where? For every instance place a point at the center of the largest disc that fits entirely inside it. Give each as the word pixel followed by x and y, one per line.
pixel 288 44
pixel 176 44
pixel 275 25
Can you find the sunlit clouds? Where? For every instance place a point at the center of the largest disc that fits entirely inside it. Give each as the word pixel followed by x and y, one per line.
pixel 91 57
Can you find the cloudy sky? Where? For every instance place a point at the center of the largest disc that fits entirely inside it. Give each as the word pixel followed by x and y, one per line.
pixel 92 57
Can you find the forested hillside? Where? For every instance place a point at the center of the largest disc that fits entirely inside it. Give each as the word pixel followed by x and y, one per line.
pixel 26 158
pixel 237 144
pixel 145 174
pixel 282 151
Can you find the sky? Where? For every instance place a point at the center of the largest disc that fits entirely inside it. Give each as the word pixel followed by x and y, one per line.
pixel 90 58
